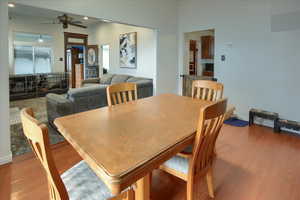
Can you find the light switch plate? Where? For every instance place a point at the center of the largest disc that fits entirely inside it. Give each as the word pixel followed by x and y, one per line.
pixel 223 57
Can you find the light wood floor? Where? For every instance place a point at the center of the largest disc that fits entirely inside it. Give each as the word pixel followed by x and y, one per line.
pixel 253 164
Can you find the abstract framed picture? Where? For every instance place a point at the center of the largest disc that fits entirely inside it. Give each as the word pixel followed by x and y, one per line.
pixel 128 50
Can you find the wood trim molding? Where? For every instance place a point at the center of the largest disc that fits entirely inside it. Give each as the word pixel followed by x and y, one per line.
pixel 75 35
pixel 68 35
pixel 74 43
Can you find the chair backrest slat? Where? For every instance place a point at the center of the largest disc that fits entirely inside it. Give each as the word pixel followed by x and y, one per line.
pixel 124 95
pixel 114 99
pixel 207 90
pixel 209 126
pixel 37 136
pixel 121 93
pixel 119 97
pixel 130 96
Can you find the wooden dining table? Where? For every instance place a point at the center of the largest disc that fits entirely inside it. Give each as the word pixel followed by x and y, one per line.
pixel 123 144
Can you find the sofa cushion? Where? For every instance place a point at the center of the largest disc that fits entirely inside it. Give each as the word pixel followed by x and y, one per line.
pixel 90 84
pixel 106 79
pixel 137 79
pixel 88 98
pixel 141 82
pixel 119 78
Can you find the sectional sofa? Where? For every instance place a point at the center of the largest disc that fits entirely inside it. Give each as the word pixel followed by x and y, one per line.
pixel 92 95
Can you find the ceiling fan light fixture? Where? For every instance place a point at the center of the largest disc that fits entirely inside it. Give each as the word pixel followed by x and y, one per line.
pixel 11 5
pixel 86 18
pixel 40 40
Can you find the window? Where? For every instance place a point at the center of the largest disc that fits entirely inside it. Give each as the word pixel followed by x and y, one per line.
pixel 42 59
pixel 32 53
pixel 31 60
pixel 24 60
pixel 105 56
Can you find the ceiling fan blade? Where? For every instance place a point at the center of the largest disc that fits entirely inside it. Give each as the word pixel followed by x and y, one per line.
pixel 76 22
pixel 78 25
pixel 49 23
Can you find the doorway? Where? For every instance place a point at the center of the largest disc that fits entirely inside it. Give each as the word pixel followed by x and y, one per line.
pixel 199 54
pixel 198 58
pixel 75 64
pixel 75 57
pixel 105 58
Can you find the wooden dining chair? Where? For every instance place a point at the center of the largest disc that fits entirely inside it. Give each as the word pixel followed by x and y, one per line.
pixel 121 93
pixel 200 161
pixel 207 90
pixel 77 183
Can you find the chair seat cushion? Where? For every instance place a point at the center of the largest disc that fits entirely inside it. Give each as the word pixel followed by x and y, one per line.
pixel 119 78
pixel 83 184
pixel 106 79
pixel 178 163
pixel 89 84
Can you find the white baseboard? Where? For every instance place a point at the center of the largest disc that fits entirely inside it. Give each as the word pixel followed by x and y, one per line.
pixel 5 159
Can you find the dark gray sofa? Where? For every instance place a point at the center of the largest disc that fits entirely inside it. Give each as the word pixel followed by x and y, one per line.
pixel 92 95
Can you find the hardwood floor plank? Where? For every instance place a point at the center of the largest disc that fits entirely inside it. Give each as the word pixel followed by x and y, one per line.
pixel 252 163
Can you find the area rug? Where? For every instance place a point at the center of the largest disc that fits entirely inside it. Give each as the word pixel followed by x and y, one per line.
pixel 14 116
pixel 19 143
pixel 233 121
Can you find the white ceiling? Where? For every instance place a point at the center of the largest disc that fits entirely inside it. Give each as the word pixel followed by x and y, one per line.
pixel 45 14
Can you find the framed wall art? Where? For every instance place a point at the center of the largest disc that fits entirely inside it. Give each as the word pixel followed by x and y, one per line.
pixel 128 50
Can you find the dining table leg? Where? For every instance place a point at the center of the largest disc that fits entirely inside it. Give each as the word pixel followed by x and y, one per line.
pixel 142 191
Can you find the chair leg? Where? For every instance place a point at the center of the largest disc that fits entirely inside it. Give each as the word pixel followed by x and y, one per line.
pixel 190 190
pixel 209 180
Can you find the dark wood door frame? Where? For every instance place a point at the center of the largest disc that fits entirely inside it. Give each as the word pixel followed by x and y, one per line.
pixel 68 35
pixel 72 76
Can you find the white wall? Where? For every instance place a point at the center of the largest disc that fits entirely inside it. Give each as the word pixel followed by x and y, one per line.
pixel 109 33
pixel 160 15
pixel 5 153
pixel 28 24
pixel 262 67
